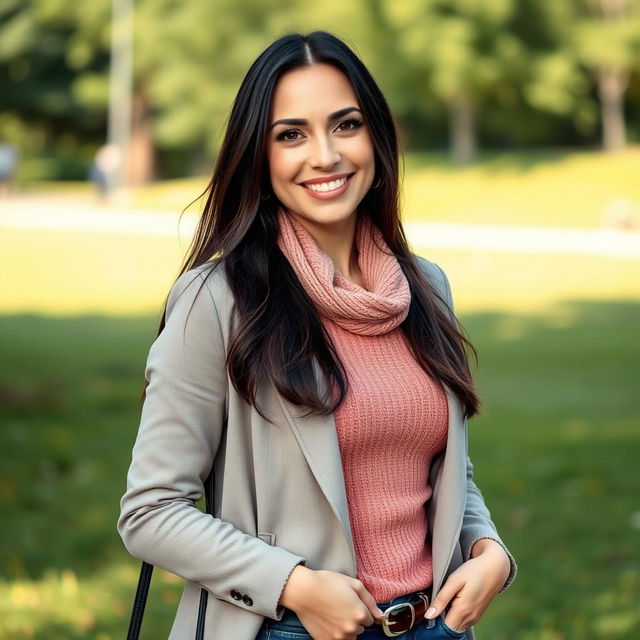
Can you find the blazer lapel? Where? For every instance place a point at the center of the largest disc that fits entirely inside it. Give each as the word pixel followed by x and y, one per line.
pixel 318 439
pixel 449 496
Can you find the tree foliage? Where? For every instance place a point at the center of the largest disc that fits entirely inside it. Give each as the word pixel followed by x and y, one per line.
pixel 458 72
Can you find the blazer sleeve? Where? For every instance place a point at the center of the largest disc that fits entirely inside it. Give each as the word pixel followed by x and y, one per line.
pixel 476 523
pixel 181 426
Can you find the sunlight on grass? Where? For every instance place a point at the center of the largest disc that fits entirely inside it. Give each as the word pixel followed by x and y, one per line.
pixel 63 605
pixel 544 189
pixel 533 283
pixel 60 600
pixel 66 273
pixel 623 602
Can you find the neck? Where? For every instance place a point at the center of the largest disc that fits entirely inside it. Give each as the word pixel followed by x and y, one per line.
pixel 337 240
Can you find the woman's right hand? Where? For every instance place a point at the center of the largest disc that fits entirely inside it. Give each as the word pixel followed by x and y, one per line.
pixel 330 605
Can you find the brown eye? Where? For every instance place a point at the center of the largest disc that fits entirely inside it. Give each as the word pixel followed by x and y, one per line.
pixel 353 124
pixel 285 135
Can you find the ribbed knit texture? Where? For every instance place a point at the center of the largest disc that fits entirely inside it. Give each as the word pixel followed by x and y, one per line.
pixel 394 418
pixel 384 302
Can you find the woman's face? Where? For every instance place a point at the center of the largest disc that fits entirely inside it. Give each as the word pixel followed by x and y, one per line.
pixel 321 158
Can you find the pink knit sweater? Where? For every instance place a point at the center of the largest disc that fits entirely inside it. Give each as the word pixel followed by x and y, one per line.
pixel 394 418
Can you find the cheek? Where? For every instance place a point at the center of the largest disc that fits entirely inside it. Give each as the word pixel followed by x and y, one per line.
pixel 283 167
pixel 273 162
pixel 362 154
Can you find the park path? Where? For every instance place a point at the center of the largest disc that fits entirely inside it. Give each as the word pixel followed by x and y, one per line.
pixel 84 214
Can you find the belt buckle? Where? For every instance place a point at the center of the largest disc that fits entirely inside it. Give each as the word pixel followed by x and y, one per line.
pixel 385 622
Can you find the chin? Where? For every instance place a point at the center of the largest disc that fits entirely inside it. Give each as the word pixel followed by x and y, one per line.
pixel 327 215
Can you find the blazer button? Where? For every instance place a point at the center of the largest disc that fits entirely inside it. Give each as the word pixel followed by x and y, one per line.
pixel 247 600
pixel 236 595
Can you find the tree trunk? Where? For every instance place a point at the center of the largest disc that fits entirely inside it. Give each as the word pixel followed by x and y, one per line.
pixel 140 165
pixel 612 84
pixel 462 129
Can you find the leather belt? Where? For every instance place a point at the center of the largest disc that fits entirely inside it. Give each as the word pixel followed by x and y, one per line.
pixel 400 618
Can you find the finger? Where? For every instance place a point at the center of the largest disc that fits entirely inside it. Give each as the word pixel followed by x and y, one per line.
pixel 373 611
pixel 369 601
pixel 453 623
pixel 443 598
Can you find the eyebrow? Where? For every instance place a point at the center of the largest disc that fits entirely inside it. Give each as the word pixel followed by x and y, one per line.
pixel 332 116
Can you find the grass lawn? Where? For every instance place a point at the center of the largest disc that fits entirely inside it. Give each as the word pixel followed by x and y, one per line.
pixel 555 453
pixel 66 273
pixel 544 188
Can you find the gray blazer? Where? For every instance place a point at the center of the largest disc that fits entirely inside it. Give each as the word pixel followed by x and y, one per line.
pixel 279 496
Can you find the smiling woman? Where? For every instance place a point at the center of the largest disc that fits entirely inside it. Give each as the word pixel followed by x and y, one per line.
pixel 321 170
pixel 310 370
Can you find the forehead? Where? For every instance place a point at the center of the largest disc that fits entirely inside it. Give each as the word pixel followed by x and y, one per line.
pixel 311 91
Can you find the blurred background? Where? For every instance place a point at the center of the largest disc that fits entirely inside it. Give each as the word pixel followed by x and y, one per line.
pixel 520 124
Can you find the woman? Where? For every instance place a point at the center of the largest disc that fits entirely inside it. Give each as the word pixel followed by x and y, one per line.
pixel 315 365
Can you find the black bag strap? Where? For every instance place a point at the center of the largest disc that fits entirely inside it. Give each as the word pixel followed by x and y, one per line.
pixel 140 601
pixel 145 579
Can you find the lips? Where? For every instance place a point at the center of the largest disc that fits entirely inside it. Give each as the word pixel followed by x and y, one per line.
pixel 325 179
pixel 326 184
pixel 323 189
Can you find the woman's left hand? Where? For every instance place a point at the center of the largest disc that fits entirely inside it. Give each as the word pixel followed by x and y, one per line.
pixel 473 585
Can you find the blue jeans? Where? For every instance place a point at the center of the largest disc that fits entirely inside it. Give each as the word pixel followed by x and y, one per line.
pixel 290 628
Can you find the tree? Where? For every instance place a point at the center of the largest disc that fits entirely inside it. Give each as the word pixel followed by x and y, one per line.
pixel 35 77
pixel 461 51
pixel 607 42
pixel 586 43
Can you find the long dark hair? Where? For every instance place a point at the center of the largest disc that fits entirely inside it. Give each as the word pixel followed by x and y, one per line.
pixel 277 332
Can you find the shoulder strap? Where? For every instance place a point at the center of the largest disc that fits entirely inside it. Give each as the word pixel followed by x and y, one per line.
pixel 140 601
pixel 145 579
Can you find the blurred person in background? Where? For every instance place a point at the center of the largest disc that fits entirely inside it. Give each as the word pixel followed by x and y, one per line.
pixel 310 362
pixel 105 163
pixel 8 167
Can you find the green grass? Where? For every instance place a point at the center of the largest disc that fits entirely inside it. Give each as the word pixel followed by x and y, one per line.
pixel 553 188
pixel 557 449
pixel 555 453
pixel 71 389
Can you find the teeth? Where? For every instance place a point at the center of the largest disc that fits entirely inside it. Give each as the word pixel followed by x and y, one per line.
pixel 327 186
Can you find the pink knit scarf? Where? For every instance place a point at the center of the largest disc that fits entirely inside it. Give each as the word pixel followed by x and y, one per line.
pixel 378 307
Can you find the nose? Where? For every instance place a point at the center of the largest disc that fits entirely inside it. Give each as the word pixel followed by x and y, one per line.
pixel 324 155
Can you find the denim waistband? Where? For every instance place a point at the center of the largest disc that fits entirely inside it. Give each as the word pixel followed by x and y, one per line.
pixel 289 616
pixel 403 598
